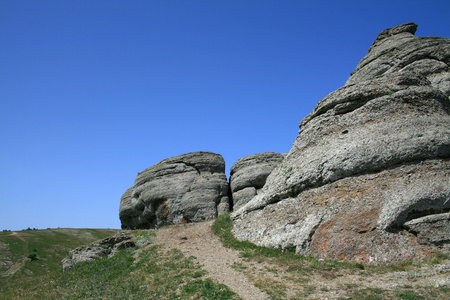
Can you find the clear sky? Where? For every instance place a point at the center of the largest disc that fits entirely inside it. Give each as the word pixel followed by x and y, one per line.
pixel 93 92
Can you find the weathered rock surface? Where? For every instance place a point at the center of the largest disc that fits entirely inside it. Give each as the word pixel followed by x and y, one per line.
pixel 108 246
pixel 187 188
pixel 398 49
pixel 371 158
pixel 248 175
pixel 431 229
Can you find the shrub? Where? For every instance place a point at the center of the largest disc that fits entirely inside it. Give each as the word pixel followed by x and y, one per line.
pixel 33 256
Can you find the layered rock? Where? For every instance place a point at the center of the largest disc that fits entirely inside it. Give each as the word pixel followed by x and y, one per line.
pixel 398 49
pixel 370 159
pixel 433 229
pixel 187 188
pixel 106 247
pixel 248 175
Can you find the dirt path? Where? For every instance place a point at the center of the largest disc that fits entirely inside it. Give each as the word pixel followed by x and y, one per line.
pixel 198 240
pixel 14 233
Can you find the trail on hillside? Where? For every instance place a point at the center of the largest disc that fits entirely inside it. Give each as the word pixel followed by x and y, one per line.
pixel 13 233
pixel 21 262
pixel 199 241
pixel 14 268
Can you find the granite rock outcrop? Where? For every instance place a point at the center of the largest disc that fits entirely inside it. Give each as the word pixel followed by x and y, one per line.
pixel 187 188
pixel 368 177
pixel 248 175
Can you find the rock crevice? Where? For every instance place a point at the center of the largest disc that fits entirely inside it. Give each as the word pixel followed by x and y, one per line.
pixel 248 175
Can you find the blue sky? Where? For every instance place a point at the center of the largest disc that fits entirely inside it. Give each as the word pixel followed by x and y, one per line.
pixel 93 92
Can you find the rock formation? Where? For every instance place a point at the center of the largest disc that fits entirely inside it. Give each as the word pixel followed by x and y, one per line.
pixel 108 246
pixel 248 175
pixel 187 188
pixel 368 177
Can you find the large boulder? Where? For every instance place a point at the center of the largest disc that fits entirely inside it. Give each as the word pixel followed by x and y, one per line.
pixel 248 175
pixel 106 247
pixel 187 188
pixel 370 163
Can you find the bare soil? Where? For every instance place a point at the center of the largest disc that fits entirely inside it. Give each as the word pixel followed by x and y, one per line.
pixel 198 240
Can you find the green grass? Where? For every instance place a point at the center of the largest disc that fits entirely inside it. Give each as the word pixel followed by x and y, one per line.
pixel 150 273
pixel 274 288
pixel 206 289
pixel 44 248
pixel 418 293
pixel 408 295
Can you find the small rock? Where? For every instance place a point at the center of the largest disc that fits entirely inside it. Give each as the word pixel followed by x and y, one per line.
pixel 442 282
pixel 442 269
pixel 28 272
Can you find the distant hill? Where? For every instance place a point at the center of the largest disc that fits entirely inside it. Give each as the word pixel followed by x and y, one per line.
pixel 36 252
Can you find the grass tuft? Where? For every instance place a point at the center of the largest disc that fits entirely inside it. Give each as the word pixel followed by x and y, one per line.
pixel 407 295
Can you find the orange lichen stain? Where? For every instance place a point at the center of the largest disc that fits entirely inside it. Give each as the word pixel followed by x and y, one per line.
pixel 328 225
pixel 322 245
pixel 414 239
pixel 360 260
pixel 342 194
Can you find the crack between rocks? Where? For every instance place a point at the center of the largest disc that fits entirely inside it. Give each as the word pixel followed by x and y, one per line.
pixel 193 166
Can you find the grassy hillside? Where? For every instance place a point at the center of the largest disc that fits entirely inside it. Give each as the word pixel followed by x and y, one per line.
pixel 143 272
pixel 36 252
